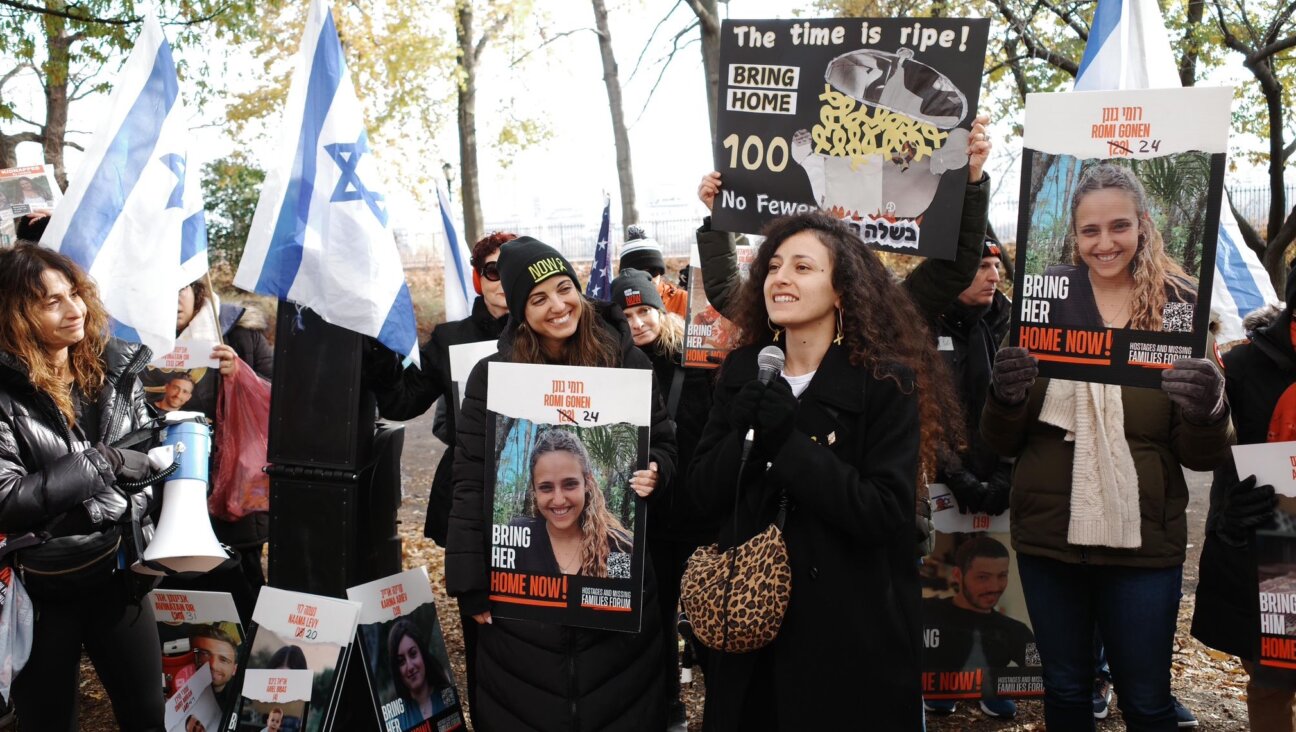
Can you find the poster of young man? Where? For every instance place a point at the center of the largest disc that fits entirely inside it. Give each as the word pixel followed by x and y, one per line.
pixel 567 534
pixel 404 654
pixel 184 379
pixel 977 637
pixel 708 336
pixel 865 118
pixel 1276 554
pixel 199 630
pixel 1119 217
pixel 28 190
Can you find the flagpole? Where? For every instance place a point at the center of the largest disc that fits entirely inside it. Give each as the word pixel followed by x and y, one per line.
pixel 220 337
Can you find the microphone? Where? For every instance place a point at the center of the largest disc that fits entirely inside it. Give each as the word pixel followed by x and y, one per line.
pixel 770 364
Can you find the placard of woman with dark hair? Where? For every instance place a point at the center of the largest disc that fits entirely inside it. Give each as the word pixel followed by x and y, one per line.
pixel 539 676
pixel 844 434
pixel 67 390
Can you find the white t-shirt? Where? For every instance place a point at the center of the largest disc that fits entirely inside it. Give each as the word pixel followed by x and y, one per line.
pixel 798 383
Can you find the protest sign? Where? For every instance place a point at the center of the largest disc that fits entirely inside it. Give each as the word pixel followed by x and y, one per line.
pixel 1120 198
pixel 298 656
pixel 977 637
pixel 28 190
pixel 1272 463
pixel 193 707
pixel 1275 548
pixel 199 631
pixel 404 654
pixel 864 118
pixel 184 379
pixel 709 336
pixel 567 532
pixel 463 356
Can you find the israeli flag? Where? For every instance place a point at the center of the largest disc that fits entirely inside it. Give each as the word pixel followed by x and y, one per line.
pixel 1128 49
pixel 319 236
pixel 133 214
pixel 459 291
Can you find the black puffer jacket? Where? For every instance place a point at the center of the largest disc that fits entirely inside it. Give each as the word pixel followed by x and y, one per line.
pixel 407 393
pixel 48 470
pixel 1256 375
pixel 538 676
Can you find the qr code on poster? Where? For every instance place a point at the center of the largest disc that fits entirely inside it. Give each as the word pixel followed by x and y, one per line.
pixel 618 565
pixel 1177 317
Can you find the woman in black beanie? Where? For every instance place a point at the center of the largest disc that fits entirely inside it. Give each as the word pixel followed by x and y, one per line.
pixel 539 676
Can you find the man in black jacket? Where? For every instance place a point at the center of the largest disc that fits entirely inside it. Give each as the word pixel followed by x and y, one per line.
pixel 1258 379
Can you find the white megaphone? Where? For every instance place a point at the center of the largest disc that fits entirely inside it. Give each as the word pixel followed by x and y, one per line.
pixel 184 541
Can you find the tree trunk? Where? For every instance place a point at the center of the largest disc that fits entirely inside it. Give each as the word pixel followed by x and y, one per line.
pixel 625 171
pixel 470 192
pixel 58 45
pixel 1276 248
pixel 1272 90
pixel 709 25
pixel 1191 44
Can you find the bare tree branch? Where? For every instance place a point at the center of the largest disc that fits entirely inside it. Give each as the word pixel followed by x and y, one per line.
pixel 666 61
pixel 73 145
pixel 1034 47
pixel 84 18
pixel 709 22
pixel 651 37
pixel 1069 17
pixel 1275 48
pixel 489 34
pixel 22 137
pixel 548 41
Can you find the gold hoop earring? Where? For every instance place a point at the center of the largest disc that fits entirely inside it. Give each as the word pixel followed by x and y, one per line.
pixel 776 331
pixel 838 339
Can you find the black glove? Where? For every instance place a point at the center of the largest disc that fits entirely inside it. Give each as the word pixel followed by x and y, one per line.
pixel 742 410
pixel 967 490
pixel 1246 506
pixel 774 418
pixel 998 490
pixel 1197 386
pixel 1014 372
pixel 126 464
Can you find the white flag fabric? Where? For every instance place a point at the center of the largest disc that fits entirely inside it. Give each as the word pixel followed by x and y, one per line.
pixel 133 214
pixel 1128 49
pixel 459 291
pixel 320 236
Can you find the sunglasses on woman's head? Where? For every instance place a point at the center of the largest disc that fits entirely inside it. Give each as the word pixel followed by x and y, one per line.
pixel 490 271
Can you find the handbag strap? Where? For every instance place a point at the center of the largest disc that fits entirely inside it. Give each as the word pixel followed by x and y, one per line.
pixel 676 389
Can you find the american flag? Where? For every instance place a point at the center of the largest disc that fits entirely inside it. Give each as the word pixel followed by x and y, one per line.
pixel 600 280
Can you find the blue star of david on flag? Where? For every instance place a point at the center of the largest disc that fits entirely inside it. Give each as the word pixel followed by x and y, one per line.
pixel 349 186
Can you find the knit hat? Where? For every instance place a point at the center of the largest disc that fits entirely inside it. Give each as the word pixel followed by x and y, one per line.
pixel 991 247
pixel 641 252
pixel 633 287
pixel 525 263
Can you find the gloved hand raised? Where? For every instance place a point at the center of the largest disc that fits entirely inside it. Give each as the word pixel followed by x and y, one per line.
pixel 126 464
pixel 774 418
pixel 1014 372
pixel 967 490
pixel 1246 507
pixel 742 410
pixel 1197 386
pixel 998 490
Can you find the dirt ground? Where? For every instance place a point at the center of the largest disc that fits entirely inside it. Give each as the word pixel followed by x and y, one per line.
pixel 1210 683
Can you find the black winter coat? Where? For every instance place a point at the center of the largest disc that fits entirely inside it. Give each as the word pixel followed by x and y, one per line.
pixel 1256 374
pixel 538 676
pixel 848 653
pixel 968 339
pixel 674 517
pixel 407 393
pixel 48 470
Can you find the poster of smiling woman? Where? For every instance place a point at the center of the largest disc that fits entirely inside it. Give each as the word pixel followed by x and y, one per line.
pixel 567 532
pixel 1119 216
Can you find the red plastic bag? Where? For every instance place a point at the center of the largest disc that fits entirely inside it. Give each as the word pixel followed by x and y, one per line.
pixel 242 429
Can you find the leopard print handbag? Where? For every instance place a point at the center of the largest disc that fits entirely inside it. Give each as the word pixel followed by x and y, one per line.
pixel 735 599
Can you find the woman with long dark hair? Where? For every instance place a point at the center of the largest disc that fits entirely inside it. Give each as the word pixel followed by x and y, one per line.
pixel 68 390
pixel 418 676
pixel 843 435
pixel 539 676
